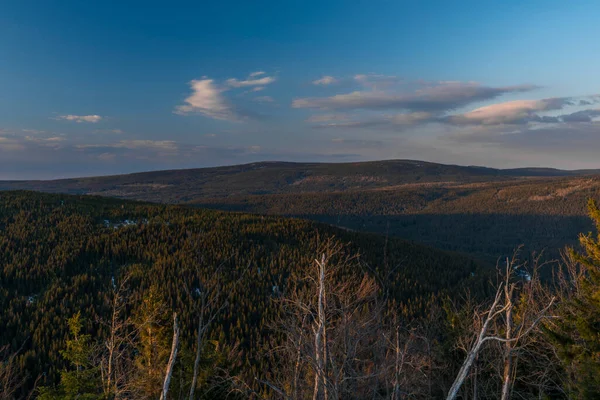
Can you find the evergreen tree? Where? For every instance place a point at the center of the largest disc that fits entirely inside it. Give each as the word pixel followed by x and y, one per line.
pixel 83 381
pixel 578 333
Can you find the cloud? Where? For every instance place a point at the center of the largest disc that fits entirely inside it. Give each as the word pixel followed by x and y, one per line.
pixel 207 99
pixel 396 122
pixel 250 81
pixel 325 80
pixel 80 118
pixel 581 116
pixel 135 144
pixel 147 144
pixel 409 119
pixel 521 112
pixel 440 98
pixel 510 112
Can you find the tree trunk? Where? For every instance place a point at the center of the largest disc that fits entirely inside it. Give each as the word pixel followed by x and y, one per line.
pixel 199 340
pixel 320 338
pixel 508 358
pixel 172 359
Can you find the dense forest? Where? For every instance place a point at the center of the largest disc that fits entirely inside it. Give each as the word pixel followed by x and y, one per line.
pixel 485 219
pixel 61 255
pixel 105 299
pixel 484 212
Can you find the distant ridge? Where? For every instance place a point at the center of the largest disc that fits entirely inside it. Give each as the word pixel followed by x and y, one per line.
pixel 272 177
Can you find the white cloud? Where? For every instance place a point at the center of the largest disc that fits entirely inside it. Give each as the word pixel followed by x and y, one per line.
pixel 207 99
pixel 251 81
pixel 80 118
pixel 325 80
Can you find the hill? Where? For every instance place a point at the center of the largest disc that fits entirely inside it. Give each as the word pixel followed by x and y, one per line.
pixel 60 254
pixel 482 211
pixel 178 186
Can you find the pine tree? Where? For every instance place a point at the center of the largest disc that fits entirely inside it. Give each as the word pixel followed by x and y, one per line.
pixel 82 382
pixel 578 332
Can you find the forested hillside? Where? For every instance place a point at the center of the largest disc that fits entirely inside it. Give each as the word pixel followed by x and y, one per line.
pixel 177 186
pixel 486 219
pixel 485 212
pixel 62 254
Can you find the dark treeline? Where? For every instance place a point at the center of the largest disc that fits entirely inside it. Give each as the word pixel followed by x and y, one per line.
pixel 106 299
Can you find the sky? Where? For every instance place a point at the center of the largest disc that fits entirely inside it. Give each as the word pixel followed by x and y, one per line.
pixel 109 87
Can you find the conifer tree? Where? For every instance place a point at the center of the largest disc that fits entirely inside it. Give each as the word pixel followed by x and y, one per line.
pixel 82 382
pixel 578 333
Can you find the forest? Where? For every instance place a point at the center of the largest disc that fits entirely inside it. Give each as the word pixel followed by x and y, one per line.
pixel 111 299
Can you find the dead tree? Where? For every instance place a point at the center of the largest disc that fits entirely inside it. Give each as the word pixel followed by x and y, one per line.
pixel 330 322
pixel 499 318
pixel 114 358
pixel 11 380
pixel 172 359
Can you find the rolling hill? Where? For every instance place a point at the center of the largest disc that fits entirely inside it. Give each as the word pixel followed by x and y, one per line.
pixel 485 212
pixel 178 186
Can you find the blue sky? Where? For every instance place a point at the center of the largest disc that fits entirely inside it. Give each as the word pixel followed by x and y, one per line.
pixel 91 88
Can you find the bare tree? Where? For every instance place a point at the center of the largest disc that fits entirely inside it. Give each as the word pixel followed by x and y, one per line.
pixel 498 318
pixel 11 380
pixel 330 322
pixel 172 359
pixel 115 358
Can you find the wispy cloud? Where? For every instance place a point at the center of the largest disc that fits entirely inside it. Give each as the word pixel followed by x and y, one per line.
pixel 440 98
pixel 325 80
pixel 521 112
pixel 252 80
pixel 134 145
pixel 80 118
